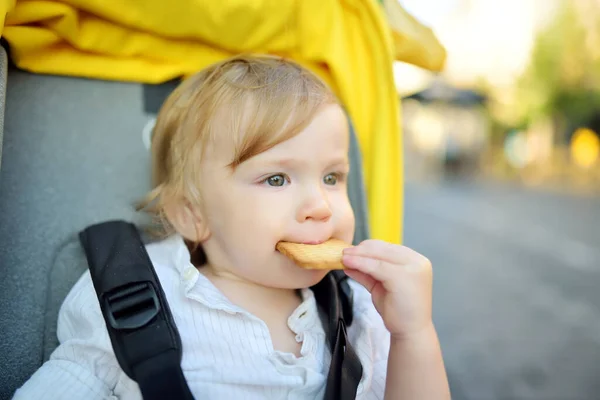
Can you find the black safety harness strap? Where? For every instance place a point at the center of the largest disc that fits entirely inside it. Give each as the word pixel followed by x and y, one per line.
pixel 139 322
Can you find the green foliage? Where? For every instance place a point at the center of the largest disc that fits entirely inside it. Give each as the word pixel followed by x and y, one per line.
pixel 563 74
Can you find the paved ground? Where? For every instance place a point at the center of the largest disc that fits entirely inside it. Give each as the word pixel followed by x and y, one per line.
pixel 517 288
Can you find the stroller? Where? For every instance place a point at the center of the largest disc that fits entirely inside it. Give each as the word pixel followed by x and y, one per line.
pixel 61 170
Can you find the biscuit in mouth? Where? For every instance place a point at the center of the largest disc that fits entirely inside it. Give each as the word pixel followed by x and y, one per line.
pixel 324 256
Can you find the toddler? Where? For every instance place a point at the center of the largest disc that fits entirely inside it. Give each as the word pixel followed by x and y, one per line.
pixel 247 153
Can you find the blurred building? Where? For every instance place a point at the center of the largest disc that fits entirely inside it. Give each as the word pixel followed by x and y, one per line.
pixel 446 128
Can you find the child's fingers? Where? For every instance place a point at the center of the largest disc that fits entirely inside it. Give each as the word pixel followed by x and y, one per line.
pixel 376 269
pixel 384 251
pixel 367 281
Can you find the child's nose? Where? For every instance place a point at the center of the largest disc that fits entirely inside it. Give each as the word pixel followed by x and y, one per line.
pixel 315 207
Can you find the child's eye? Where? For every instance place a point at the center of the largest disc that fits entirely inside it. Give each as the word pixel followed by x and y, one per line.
pixel 332 179
pixel 276 180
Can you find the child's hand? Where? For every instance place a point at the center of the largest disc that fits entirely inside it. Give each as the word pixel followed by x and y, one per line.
pixel 399 280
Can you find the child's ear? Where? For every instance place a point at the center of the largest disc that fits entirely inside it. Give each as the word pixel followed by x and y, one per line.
pixel 187 221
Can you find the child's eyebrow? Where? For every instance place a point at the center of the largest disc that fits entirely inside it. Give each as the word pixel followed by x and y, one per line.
pixel 299 163
pixel 285 162
pixel 340 161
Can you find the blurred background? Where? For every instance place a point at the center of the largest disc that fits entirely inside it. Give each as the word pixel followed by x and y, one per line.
pixel 503 193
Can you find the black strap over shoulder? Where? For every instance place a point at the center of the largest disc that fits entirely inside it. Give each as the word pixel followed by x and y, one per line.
pixel 334 296
pixel 142 331
pixel 139 322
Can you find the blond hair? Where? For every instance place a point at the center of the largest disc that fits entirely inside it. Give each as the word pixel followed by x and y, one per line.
pixel 258 101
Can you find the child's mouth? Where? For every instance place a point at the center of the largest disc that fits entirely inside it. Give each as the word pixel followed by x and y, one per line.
pixel 315 241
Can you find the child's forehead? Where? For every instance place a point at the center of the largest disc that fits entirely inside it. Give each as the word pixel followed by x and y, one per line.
pixel 239 133
pixel 324 138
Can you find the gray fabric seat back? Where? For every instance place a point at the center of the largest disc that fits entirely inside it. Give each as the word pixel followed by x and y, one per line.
pixel 73 155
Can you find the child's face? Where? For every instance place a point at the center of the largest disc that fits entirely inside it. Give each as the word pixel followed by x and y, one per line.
pixel 296 191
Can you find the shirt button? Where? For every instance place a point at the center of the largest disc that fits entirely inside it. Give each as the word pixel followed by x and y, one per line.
pixel 189 274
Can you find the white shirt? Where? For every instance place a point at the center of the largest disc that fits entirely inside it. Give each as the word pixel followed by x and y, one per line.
pixel 227 352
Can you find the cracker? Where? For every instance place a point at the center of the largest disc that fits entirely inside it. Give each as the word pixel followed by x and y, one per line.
pixel 324 256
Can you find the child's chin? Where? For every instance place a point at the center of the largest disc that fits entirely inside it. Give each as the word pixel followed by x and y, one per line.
pixel 311 277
